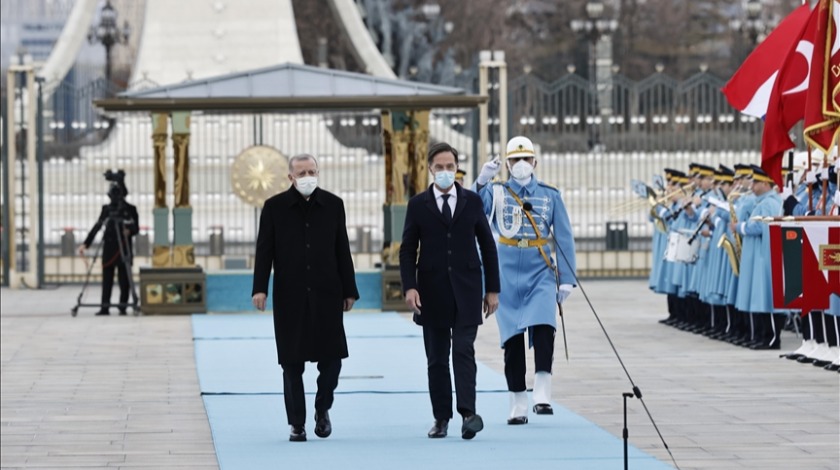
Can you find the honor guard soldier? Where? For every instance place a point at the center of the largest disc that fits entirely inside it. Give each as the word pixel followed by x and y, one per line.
pixel 767 326
pixel 740 321
pixel 459 176
pixel 529 216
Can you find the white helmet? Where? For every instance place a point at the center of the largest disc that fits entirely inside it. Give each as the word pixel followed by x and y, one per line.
pixel 519 147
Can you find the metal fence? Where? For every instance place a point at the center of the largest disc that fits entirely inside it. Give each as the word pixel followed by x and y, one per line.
pixel 591 156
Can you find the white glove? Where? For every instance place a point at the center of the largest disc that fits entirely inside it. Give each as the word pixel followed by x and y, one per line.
pixel 787 192
pixel 563 292
pixel 837 198
pixel 488 171
pixel 811 176
pixel 823 174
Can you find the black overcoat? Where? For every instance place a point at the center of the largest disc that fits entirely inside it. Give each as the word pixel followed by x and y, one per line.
pixel 306 244
pixel 447 273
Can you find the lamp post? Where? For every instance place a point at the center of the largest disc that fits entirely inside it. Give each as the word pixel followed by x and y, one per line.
pixel 597 29
pixel 109 33
pixel 754 27
pixel 493 115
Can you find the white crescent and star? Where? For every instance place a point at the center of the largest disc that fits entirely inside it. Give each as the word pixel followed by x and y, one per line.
pixel 806 48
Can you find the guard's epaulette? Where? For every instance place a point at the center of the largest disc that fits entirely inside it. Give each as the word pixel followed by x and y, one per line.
pixel 546 185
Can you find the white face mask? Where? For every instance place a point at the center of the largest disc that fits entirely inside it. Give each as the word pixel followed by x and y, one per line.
pixel 445 179
pixel 521 170
pixel 306 185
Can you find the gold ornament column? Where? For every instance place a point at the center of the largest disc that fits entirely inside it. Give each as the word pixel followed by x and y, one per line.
pixel 161 251
pixel 183 251
pixel 405 138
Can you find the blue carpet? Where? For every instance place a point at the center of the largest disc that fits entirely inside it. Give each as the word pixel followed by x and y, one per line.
pixel 382 410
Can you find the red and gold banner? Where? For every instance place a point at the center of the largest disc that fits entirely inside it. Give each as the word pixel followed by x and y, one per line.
pixel 805 263
pixel 822 114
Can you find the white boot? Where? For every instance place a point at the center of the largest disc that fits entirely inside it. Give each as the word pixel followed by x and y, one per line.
pixel 518 408
pixel 825 356
pixel 819 353
pixel 542 394
pixel 807 347
pixel 836 362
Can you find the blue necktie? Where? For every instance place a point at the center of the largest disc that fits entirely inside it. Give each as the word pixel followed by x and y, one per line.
pixel 447 211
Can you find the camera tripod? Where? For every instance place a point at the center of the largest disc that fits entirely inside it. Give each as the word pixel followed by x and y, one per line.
pixel 125 257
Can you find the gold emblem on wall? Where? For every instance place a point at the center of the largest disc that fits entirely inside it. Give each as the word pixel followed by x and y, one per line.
pixel 258 173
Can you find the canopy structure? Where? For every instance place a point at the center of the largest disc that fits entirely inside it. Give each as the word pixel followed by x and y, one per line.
pixel 291 87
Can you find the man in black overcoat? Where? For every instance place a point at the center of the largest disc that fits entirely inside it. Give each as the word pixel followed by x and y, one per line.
pixel 443 287
pixel 303 236
pixel 120 220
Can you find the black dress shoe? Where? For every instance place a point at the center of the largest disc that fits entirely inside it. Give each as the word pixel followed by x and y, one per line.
pixel 543 409
pixel 517 420
pixel 298 434
pixel 123 312
pixel 791 356
pixel 102 312
pixel 323 426
pixel 472 425
pixel 832 367
pixel 439 429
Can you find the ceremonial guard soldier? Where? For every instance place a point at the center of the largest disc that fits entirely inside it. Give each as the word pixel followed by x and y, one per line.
pixel 755 232
pixel 718 267
pixel 524 211
pixel 741 326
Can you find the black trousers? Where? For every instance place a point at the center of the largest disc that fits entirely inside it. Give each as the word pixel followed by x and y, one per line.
pixel 108 267
pixel 543 338
pixel 294 395
pixel 438 342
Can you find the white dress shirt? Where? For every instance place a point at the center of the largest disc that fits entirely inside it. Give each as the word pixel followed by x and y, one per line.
pixel 453 196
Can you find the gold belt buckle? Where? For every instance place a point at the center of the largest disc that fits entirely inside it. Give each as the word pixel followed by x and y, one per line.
pixel 522 243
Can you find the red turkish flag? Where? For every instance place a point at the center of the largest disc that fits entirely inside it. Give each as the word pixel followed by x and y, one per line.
pixel 787 100
pixel 822 117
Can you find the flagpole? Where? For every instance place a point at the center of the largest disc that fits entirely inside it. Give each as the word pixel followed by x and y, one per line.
pixel 808 185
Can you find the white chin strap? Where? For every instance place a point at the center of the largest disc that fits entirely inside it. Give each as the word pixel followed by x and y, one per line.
pixel 542 388
pixel 518 404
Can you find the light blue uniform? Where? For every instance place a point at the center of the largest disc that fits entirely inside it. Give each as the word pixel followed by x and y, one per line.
pixel 801 196
pixel 719 277
pixel 718 267
pixel 528 295
pixel 681 272
pixel 664 281
pixel 757 234
pixel 739 292
pixel 659 243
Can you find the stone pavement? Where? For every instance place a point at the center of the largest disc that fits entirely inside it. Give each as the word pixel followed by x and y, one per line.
pixel 122 392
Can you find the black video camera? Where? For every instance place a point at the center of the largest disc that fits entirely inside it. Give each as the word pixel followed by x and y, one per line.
pixel 115 176
pixel 117 191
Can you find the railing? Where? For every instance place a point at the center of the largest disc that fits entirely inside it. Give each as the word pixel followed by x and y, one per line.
pixel 590 156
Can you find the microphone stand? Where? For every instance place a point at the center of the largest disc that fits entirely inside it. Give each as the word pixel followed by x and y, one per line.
pixel 637 392
pixel 624 432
